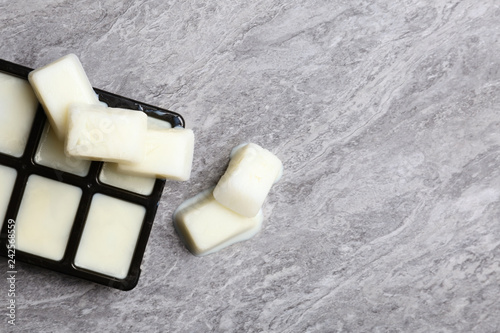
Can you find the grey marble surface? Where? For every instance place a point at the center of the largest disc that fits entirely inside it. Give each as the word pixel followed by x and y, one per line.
pixel 386 115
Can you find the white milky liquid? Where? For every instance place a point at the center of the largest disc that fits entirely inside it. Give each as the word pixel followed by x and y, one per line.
pixel 110 236
pixel 138 184
pixel 18 106
pixel 206 226
pixel 45 217
pixel 7 180
pixel 50 153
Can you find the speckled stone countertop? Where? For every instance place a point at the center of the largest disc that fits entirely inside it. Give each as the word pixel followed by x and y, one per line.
pixel 386 115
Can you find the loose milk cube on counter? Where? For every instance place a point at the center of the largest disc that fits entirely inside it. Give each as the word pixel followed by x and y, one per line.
pixel 106 134
pixel 46 215
pixel 169 154
pixel 250 174
pixel 50 153
pixel 109 236
pixel 18 106
pixel 139 184
pixel 206 226
pixel 7 180
pixel 59 84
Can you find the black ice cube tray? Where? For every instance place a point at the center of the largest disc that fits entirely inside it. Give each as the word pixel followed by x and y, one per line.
pixel 90 185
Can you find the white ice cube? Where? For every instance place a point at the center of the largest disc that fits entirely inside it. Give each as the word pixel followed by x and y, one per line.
pixel 206 226
pixel 250 174
pixel 106 134
pixel 46 216
pixel 18 106
pixel 59 84
pixel 110 236
pixel 169 154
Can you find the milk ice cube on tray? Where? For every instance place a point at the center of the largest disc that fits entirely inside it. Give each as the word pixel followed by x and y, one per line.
pixel 247 181
pixel 46 215
pixel 169 154
pixel 18 106
pixel 50 153
pixel 59 84
pixel 7 180
pixel 106 134
pixel 138 184
pixel 206 226
pixel 110 236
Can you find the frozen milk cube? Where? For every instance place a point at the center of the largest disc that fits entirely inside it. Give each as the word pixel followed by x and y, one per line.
pixel 169 154
pixel 110 236
pixel 250 174
pixel 46 216
pixel 106 134
pixel 138 184
pixel 7 180
pixel 59 84
pixel 206 226
pixel 18 106
pixel 51 153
